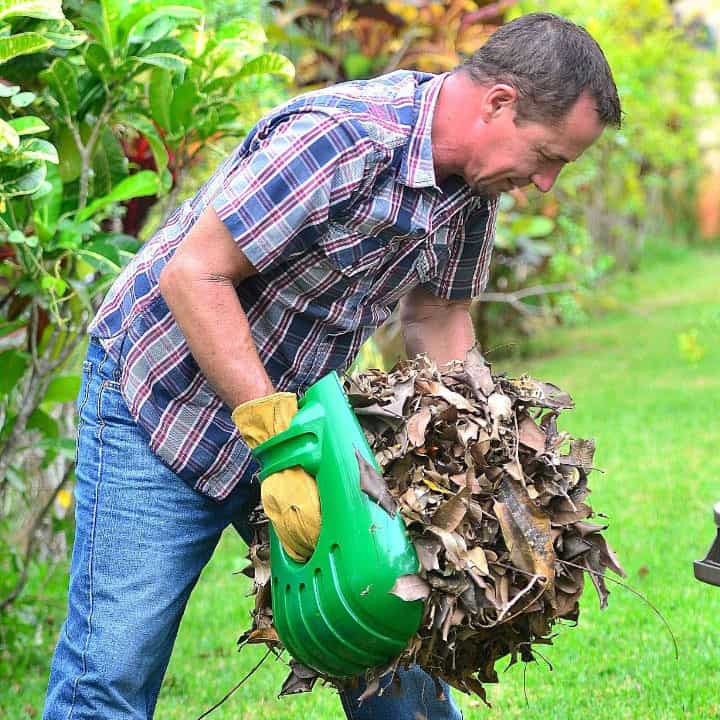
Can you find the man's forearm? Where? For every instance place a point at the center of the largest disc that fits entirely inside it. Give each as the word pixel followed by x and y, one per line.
pixel 210 316
pixel 198 285
pixel 442 329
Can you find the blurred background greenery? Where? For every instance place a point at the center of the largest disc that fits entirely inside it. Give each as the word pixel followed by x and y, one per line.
pixel 112 112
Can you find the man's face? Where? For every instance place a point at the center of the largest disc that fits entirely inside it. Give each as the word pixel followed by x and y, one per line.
pixel 516 155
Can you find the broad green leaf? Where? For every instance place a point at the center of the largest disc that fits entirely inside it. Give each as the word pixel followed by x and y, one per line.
pixel 143 14
pixel 22 99
pixel 171 62
pixel 145 126
pixel 46 210
pixel 184 101
pixel 265 64
pixel 22 44
pixel 44 189
pixel 28 125
pixel 43 423
pixel 160 93
pixel 268 64
pixel 22 181
pixel 357 65
pixel 43 9
pixel 70 235
pixel 63 81
pixel 166 182
pixel 65 40
pixel 231 49
pixel 141 184
pixel 37 149
pixel 110 165
pixel 101 255
pixel 165 45
pixel 8 90
pixel 97 60
pixel 70 160
pixel 13 364
pixel 156 32
pixel 63 388
pixel 111 14
pixel 9 139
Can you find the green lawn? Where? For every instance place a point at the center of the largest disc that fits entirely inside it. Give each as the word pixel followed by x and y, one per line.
pixel 652 407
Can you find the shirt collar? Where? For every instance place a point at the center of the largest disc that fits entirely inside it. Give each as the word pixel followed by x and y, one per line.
pixel 416 168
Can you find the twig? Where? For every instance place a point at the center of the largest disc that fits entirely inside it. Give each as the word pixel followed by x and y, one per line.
pixel 218 704
pixel 33 337
pixel 514 298
pixel 20 584
pixel 517 597
pixel 634 592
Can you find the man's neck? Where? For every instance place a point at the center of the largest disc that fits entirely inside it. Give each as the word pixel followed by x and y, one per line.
pixel 454 112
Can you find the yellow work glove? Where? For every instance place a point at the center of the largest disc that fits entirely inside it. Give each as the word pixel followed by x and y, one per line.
pixel 290 497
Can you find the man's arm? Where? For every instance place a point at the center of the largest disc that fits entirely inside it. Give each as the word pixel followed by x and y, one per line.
pixel 441 328
pixel 198 285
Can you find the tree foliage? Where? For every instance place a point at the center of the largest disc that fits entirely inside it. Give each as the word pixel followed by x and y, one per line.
pixel 80 92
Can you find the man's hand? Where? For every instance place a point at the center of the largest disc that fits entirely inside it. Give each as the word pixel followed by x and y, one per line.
pixel 441 328
pixel 290 497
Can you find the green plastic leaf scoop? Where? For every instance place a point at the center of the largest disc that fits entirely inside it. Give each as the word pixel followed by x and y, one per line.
pixel 335 612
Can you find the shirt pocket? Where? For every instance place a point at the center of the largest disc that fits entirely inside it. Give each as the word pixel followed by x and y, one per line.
pixel 350 252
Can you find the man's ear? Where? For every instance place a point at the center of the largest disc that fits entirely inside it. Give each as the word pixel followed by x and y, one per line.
pixel 499 98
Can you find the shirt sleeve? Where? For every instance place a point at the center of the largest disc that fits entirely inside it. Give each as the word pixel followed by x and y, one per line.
pixel 465 274
pixel 277 196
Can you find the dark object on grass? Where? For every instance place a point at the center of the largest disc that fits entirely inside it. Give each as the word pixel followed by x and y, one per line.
pixel 708 570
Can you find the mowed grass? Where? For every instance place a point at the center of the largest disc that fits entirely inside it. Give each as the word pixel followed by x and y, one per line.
pixel 645 377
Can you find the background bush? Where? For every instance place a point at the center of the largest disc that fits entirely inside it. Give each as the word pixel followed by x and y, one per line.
pixel 105 108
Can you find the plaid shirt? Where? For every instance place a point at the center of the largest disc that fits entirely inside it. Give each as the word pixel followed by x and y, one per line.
pixel 333 198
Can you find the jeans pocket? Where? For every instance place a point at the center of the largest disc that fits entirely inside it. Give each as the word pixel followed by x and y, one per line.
pixel 111 405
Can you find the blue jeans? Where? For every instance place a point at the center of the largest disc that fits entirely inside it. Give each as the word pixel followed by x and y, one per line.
pixel 142 538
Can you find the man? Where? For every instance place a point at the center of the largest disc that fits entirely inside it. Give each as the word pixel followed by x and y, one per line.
pixel 335 208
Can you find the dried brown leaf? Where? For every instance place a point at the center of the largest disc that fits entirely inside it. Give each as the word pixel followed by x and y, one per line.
pixel 410 587
pixel 416 426
pixel 451 512
pixel 374 486
pixel 526 530
pixel 530 434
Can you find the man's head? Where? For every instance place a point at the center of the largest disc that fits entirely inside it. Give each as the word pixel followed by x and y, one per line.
pixel 550 62
pixel 534 97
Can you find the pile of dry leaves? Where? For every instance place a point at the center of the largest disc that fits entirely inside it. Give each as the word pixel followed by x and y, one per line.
pixel 494 499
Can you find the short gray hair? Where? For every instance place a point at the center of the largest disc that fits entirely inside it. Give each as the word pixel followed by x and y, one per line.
pixel 550 62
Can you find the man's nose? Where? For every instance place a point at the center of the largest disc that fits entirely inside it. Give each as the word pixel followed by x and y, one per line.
pixel 544 180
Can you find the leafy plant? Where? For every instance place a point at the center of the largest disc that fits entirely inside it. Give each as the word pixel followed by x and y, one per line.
pixel 107 77
pixel 640 183
pixel 350 39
